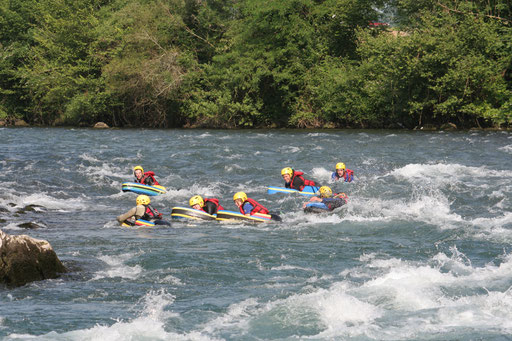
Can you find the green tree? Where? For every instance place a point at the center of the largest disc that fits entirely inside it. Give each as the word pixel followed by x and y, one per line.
pixel 257 75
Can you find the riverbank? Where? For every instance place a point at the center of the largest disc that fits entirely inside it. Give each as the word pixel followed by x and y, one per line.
pixel 101 125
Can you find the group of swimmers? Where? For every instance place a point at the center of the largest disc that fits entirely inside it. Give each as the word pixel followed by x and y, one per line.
pixel 247 206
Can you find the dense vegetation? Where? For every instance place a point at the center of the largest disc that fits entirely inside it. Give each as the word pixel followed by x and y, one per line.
pixel 254 63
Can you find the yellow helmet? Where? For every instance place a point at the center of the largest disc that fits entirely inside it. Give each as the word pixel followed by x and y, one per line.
pixel 240 195
pixel 196 200
pixel 138 167
pixel 340 165
pixel 143 200
pixel 325 192
pixel 287 170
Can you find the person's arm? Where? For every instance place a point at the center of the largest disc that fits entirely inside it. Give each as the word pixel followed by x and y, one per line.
pixel 248 208
pixel 312 199
pixel 298 183
pixel 139 211
pixel 127 215
pixel 210 207
pixel 148 181
pixel 333 203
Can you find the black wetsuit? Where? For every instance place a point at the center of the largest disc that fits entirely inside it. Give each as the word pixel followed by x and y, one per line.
pixel 333 203
pixel 210 207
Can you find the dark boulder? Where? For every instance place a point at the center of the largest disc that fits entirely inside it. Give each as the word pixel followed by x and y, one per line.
pixel 28 208
pixel 30 225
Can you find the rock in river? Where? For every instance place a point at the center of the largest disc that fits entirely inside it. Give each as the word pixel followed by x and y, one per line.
pixel 24 259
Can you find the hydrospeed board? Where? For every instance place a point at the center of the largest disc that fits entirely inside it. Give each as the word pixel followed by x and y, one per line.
pixel 143 189
pixel 308 190
pixel 231 215
pixel 190 213
pixel 316 207
pixel 139 222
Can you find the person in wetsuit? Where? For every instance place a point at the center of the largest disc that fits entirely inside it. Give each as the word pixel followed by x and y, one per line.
pixel 143 210
pixel 342 173
pixel 248 206
pixel 208 205
pixel 145 178
pixel 326 197
pixel 294 179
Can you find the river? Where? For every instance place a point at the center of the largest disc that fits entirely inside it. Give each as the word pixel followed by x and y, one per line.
pixel 422 250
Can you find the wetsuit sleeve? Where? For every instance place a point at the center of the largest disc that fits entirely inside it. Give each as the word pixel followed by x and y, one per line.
pixel 333 203
pixel 248 208
pixel 149 181
pixel 286 185
pixel 210 207
pixel 127 215
pixel 140 210
pixel 298 183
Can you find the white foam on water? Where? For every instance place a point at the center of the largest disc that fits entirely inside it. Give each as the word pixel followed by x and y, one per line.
pixel 443 174
pixel 88 157
pixel 317 134
pixel 12 227
pixel 431 208
pixel 149 325
pixel 300 219
pixel 237 316
pixel 290 267
pixel 170 279
pixel 497 229
pixel 400 300
pixel 236 156
pixel 321 174
pixel 447 292
pixel 116 267
pixel 180 197
pixel 506 149
pixel 232 168
pixel 342 314
pixel 333 311
pixel 286 149
pixel 102 174
pixel 45 200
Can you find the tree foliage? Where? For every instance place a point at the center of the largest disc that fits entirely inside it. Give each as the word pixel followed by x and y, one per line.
pixel 252 63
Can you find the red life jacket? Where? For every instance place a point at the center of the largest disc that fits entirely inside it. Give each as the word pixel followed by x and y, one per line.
pixel 257 208
pixel 148 175
pixel 215 201
pixel 306 182
pixel 151 213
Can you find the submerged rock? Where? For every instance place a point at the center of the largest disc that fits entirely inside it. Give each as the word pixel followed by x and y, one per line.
pixel 30 225
pixel 24 259
pixel 28 208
